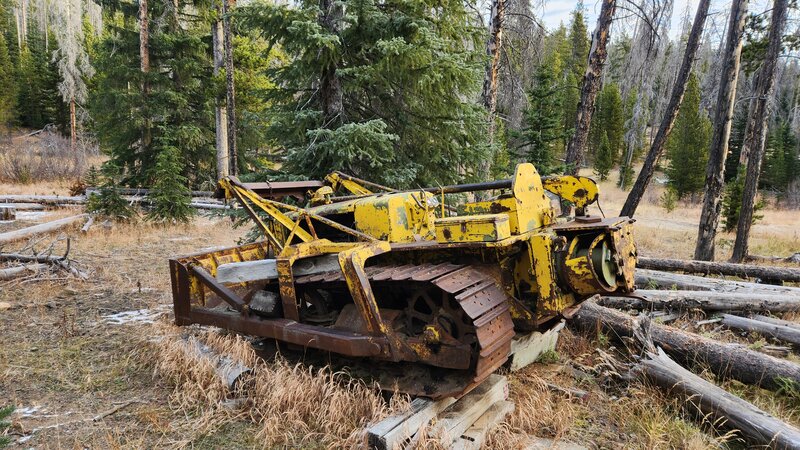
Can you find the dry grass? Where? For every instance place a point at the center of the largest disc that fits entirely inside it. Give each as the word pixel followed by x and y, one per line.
pixel 45 156
pixel 673 234
pixel 292 405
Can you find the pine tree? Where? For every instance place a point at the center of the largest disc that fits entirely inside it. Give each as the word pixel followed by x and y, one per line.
pixel 543 132
pixel 7 85
pixel 576 62
pixel 735 144
pixel 107 202
pixel 782 165
pixel 385 97
pixel 5 413
pixel 178 107
pixel 604 159
pixel 687 146
pixel 170 197
pixel 609 119
pixel 38 102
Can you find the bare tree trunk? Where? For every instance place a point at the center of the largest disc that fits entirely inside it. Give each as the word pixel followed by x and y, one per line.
pixel 723 115
pixel 753 145
pixel 493 45
pixel 591 85
pixel 330 85
pixel 233 160
pixel 221 114
pixel 678 90
pixel 72 133
pixel 144 56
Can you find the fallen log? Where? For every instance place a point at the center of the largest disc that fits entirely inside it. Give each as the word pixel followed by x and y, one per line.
pixel 44 199
pixel 654 279
pixel 59 261
pixel 775 321
pixel 720 268
pixel 145 191
pixel 721 407
pixel 87 225
pixel 779 332
pixel 23 206
pixel 16 272
pixel 648 300
pixel 55 225
pixel 793 258
pixel 725 360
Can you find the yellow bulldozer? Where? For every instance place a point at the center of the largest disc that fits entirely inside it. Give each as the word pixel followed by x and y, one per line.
pixel 401 278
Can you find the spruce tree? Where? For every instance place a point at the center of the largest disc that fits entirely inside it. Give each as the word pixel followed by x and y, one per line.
pixel 170 198
pixel 7 85
pixel 543 132
pixel 604 158
pixel 782 165
pixel 687 146
pixel 107 202
pixel 379 89
pixel 179 105
pixel 609 119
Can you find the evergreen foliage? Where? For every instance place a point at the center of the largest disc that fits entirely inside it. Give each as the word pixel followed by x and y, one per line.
pixel 108 203
pixel 781 163
pixel 543 132
pixel 608 119
pixel 5 413
pixel 604 158
pixel 38 101
pixel 732 202
pixel 687 146
pixel 735 143
pixel 170 198
pixel 178 104
pixel 7 84
pixel 406 68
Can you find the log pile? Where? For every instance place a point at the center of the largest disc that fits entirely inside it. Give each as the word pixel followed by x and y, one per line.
pixel 666 355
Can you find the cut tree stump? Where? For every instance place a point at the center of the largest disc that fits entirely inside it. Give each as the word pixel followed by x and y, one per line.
pixel 779 332
pixel 710 301
pixel 720 268
pixel 726 360
pixel 459 423
pixel 719 407
pixel 654 279
pixel 49 227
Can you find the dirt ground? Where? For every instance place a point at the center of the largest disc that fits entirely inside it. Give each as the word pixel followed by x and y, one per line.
pixel 79 379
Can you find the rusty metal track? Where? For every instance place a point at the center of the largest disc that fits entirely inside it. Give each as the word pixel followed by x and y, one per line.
pixel 484 304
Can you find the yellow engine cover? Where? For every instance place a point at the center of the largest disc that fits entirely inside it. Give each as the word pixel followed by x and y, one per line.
pixel 478 228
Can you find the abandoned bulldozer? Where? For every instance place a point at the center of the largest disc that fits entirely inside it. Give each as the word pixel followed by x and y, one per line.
pixel 430 291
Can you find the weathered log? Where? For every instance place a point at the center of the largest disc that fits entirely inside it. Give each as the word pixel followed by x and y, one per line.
pixel 16 272
pixel 59 261
pixel 48 227
pixel 721 407
pixel 145 191
pixel 44 199
pixel 793 258
pixel 705 300
pixel 720 268
pixel 724 359
pixel 87 225
pixel 653 279
pixel 23 206
pixel 779 332
pixel 776 321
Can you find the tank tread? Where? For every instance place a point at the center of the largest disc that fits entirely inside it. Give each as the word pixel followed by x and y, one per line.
pixel 482 301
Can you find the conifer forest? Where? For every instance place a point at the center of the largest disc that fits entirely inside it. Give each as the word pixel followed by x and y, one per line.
pixel 123 123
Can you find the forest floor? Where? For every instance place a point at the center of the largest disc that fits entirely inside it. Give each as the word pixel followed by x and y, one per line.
pixel 80 380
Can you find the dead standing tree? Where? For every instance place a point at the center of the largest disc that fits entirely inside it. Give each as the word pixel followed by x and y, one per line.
pixel 723 115
pixel 678 90
pixel 233 159
pixel 591 85
pixel 493 45
pixel 756 131
pixel 220 111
